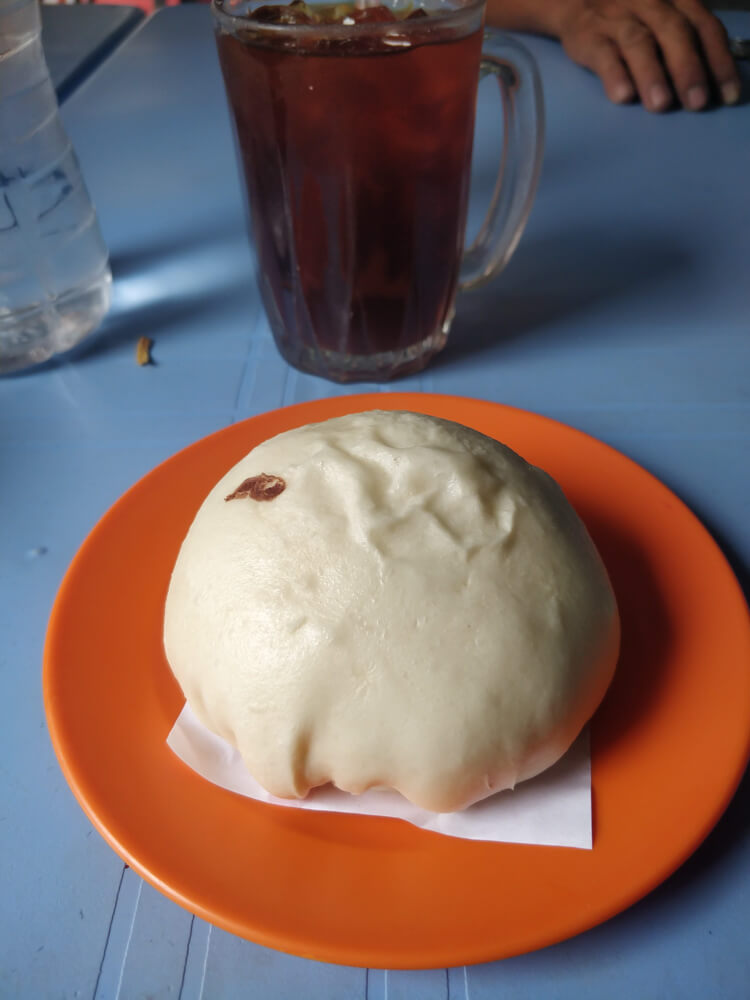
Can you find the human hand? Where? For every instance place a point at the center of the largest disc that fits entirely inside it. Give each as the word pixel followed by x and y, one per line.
pixel 656 50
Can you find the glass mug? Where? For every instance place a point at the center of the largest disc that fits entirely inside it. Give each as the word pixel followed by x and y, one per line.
pixel 355 125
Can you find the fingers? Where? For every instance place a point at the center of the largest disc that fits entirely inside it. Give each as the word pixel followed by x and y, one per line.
pixel 657 49
pixel 639 46
pixel 606 62
pixel 698 69
pixel 718 59
pixel 626 61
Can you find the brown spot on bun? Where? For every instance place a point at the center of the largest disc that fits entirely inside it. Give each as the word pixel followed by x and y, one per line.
pixel 262 487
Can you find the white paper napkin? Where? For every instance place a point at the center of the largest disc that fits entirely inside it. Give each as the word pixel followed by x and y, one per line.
pixel 553 809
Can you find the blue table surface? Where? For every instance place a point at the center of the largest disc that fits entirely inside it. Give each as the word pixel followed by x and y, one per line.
pixel 77 38
pixel 624 312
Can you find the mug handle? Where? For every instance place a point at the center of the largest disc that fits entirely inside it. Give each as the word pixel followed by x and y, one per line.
pixel 520 163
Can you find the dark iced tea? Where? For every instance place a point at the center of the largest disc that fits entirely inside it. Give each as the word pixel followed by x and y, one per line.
pixel 356 141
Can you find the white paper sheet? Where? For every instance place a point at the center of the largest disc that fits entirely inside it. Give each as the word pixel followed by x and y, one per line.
pixel 553 809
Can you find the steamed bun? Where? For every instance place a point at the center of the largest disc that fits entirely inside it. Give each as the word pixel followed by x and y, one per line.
pixel 390 599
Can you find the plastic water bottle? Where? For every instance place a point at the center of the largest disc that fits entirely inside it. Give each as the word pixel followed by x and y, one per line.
pixel 54 271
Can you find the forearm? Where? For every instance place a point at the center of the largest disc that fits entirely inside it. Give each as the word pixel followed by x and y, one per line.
pixel 541 17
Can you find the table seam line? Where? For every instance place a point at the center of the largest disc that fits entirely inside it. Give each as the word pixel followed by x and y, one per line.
pixel 109 932
pixel 187 953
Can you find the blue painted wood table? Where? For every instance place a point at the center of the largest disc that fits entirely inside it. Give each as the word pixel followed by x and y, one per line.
pixel 625 313
pixel 77 38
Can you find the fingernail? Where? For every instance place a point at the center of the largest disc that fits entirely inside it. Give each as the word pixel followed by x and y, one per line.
pixel 660 97
pixel 622 93
pixel 730 93
pixel 696 98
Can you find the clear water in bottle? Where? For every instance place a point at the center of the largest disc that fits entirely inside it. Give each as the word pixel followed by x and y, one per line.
pixel 54 271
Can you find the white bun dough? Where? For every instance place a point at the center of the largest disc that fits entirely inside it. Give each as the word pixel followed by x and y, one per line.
pixel 407 604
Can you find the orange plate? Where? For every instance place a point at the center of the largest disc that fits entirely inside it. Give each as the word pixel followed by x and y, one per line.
pixel 669 743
